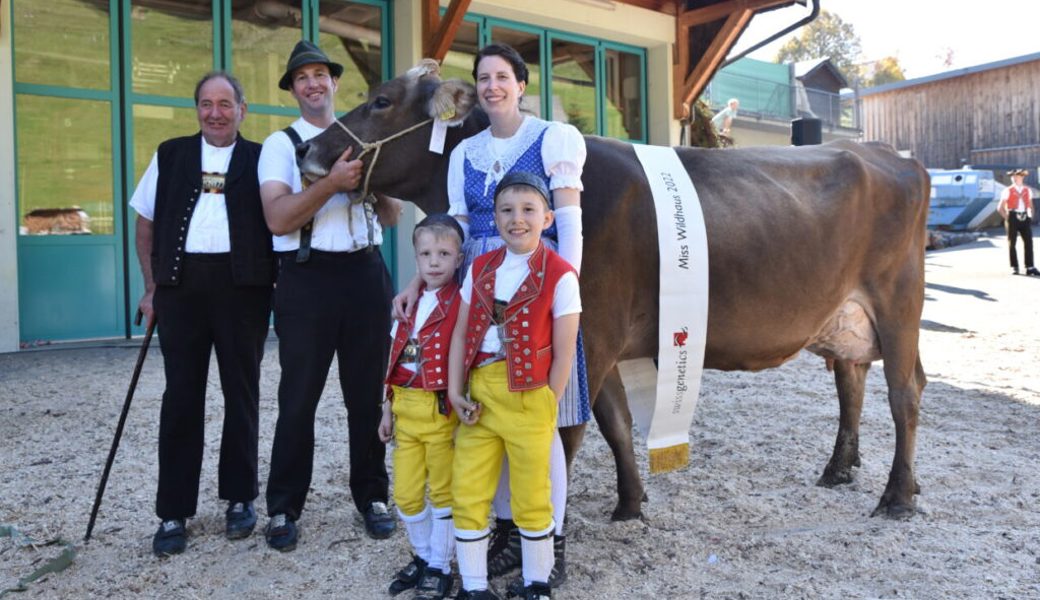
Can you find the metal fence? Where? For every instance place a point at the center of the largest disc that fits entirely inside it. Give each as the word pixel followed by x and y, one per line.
pixel 782 102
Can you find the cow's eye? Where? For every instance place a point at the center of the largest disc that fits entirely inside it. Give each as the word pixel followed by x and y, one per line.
pixel 381 102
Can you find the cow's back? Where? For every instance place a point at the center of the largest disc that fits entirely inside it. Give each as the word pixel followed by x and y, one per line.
pixel 792 234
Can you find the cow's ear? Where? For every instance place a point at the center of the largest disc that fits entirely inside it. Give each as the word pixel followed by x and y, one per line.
pixel 426 66
pixel 452 101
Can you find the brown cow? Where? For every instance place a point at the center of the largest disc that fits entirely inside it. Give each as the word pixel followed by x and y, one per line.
pixel 815 247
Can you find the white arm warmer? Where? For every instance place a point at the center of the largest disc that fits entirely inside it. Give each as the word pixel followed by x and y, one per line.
pixel 568 234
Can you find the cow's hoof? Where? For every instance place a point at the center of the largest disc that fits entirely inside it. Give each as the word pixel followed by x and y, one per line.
pixel 833 477
pixel 894 510
pixel 623 512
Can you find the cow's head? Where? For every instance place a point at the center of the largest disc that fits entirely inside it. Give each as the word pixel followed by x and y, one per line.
pixel 406 107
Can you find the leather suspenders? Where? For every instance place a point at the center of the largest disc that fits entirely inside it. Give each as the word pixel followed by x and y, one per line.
pixel 304 253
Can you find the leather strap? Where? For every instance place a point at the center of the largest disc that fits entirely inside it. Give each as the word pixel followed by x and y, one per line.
pixel 304 253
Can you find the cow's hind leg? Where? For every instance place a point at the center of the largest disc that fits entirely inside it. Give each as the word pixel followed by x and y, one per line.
pixel 906 379
pixel 572 438
pixel 615 421
pixel 850 379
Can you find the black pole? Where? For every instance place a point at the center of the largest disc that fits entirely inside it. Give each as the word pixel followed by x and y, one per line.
pixel 122 421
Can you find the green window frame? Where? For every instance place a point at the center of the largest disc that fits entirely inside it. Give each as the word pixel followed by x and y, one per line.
pixel 600 47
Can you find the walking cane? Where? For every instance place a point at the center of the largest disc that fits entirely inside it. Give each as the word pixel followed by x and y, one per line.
pixel 122 421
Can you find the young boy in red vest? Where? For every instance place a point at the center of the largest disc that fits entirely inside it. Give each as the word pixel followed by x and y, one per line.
pixel 513 345
pixel 418 377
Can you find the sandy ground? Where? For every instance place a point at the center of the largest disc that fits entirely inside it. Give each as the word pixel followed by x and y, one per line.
pixel 744 520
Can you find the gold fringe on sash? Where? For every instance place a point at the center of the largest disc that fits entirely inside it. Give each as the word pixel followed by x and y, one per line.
pixel 669 458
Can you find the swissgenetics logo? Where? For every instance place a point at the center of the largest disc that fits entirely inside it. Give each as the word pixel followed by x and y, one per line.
pixel 679 338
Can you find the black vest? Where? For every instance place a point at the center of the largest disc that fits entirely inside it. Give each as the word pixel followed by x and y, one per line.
pixel 177 192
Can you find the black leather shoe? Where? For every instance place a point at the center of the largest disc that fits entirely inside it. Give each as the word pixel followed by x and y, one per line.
pixel 240 519
pixel 282 533
pixel 408 577
pixel 172 538
pixel 1014 270
pixel 537 591
pixel 378 523
pixel 435 585
pixel 504 552
pixel 1032 271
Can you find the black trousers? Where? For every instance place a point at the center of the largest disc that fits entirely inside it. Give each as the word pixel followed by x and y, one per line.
pixel 1019 227
pixel 204 312
pixel 336 303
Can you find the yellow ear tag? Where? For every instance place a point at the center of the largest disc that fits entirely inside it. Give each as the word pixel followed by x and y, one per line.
pixel 448 114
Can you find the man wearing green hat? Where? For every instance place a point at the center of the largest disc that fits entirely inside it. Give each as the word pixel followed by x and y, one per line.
pixel 332 298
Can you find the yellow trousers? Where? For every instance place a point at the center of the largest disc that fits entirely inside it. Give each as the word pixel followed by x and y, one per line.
pixel 518 424
pixel 424 450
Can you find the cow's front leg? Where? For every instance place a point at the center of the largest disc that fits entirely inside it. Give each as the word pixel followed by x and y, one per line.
pixel 615 421
pixel 850 379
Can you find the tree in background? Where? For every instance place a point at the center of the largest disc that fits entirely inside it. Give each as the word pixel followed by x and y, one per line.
pixel 886 70
pixel 826 37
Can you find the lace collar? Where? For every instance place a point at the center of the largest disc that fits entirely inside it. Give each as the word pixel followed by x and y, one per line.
pixel 482 152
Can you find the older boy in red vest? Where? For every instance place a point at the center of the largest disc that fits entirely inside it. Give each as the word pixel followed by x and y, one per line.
pixel 417 378
pixel 513 345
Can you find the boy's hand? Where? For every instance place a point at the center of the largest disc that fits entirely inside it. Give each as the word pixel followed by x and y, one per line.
pixel 469 412
pixel 386 424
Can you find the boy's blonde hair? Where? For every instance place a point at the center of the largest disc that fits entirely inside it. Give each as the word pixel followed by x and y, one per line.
pixel 440 225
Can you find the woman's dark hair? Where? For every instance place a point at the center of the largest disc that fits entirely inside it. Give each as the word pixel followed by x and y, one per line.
pixel 507 53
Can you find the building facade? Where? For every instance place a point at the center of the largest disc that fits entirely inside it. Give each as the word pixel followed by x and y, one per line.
pixel 88 88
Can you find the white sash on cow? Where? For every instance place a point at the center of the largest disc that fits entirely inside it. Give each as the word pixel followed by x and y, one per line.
pixel 664 420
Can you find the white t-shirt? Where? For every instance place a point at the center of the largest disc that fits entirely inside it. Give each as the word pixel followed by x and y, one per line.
pixel 339 226
pixel 427 302
pixel 208 226
pixel 508 277
pixel 563 156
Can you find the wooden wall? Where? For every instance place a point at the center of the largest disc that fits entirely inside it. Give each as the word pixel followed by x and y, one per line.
pixel 986 117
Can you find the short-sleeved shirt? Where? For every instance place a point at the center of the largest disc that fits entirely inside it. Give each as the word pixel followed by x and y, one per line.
pixel 208 227
pixel 427 302
pixel 508 277
pixel 340 225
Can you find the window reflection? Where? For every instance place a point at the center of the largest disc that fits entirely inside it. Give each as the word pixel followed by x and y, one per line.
pixel 172 45
pixel 64 166
pixel 62 43
pixel 263 34
pixel 574 85
pixel 351 34
pixel 257 127
pixel 154 125
pixel 458 63
pixel 624 107
pixel 529 46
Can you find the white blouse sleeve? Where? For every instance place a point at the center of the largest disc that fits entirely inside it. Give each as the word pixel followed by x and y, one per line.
pixel 466 290
pixel 563 154
pixel 457 182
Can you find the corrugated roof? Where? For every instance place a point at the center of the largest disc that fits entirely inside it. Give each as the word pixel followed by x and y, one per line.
pixel 1000 64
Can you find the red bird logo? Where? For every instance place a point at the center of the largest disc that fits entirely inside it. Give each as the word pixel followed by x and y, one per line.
pixel 679 338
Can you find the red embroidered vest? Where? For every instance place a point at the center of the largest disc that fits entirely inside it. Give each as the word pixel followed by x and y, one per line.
pixel 1018 199
pixel 528 316
pixel 434 340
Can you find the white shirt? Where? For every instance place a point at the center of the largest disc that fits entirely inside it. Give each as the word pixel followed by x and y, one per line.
pixel 508 277
pixel 563 156
pixel 339 226
pixel 427 302
pixel 208 226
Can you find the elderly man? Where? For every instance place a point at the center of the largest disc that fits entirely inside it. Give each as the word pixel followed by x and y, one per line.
pixel 333 298
pixel 208 268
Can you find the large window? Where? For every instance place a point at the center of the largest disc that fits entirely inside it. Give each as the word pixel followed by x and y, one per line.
pixel 99 84
pixel 595 85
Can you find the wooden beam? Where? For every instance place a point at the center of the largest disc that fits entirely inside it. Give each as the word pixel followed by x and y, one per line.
pixel 721 10
pixel 431 18
pixel 437 45
pixel 680 65
pixel 697 79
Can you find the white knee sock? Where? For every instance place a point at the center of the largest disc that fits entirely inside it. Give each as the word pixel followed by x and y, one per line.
pixel 503 510
pixel 471 550
pixel 558 477
pixel 537 550
pixel 418 528
pixel 442 540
